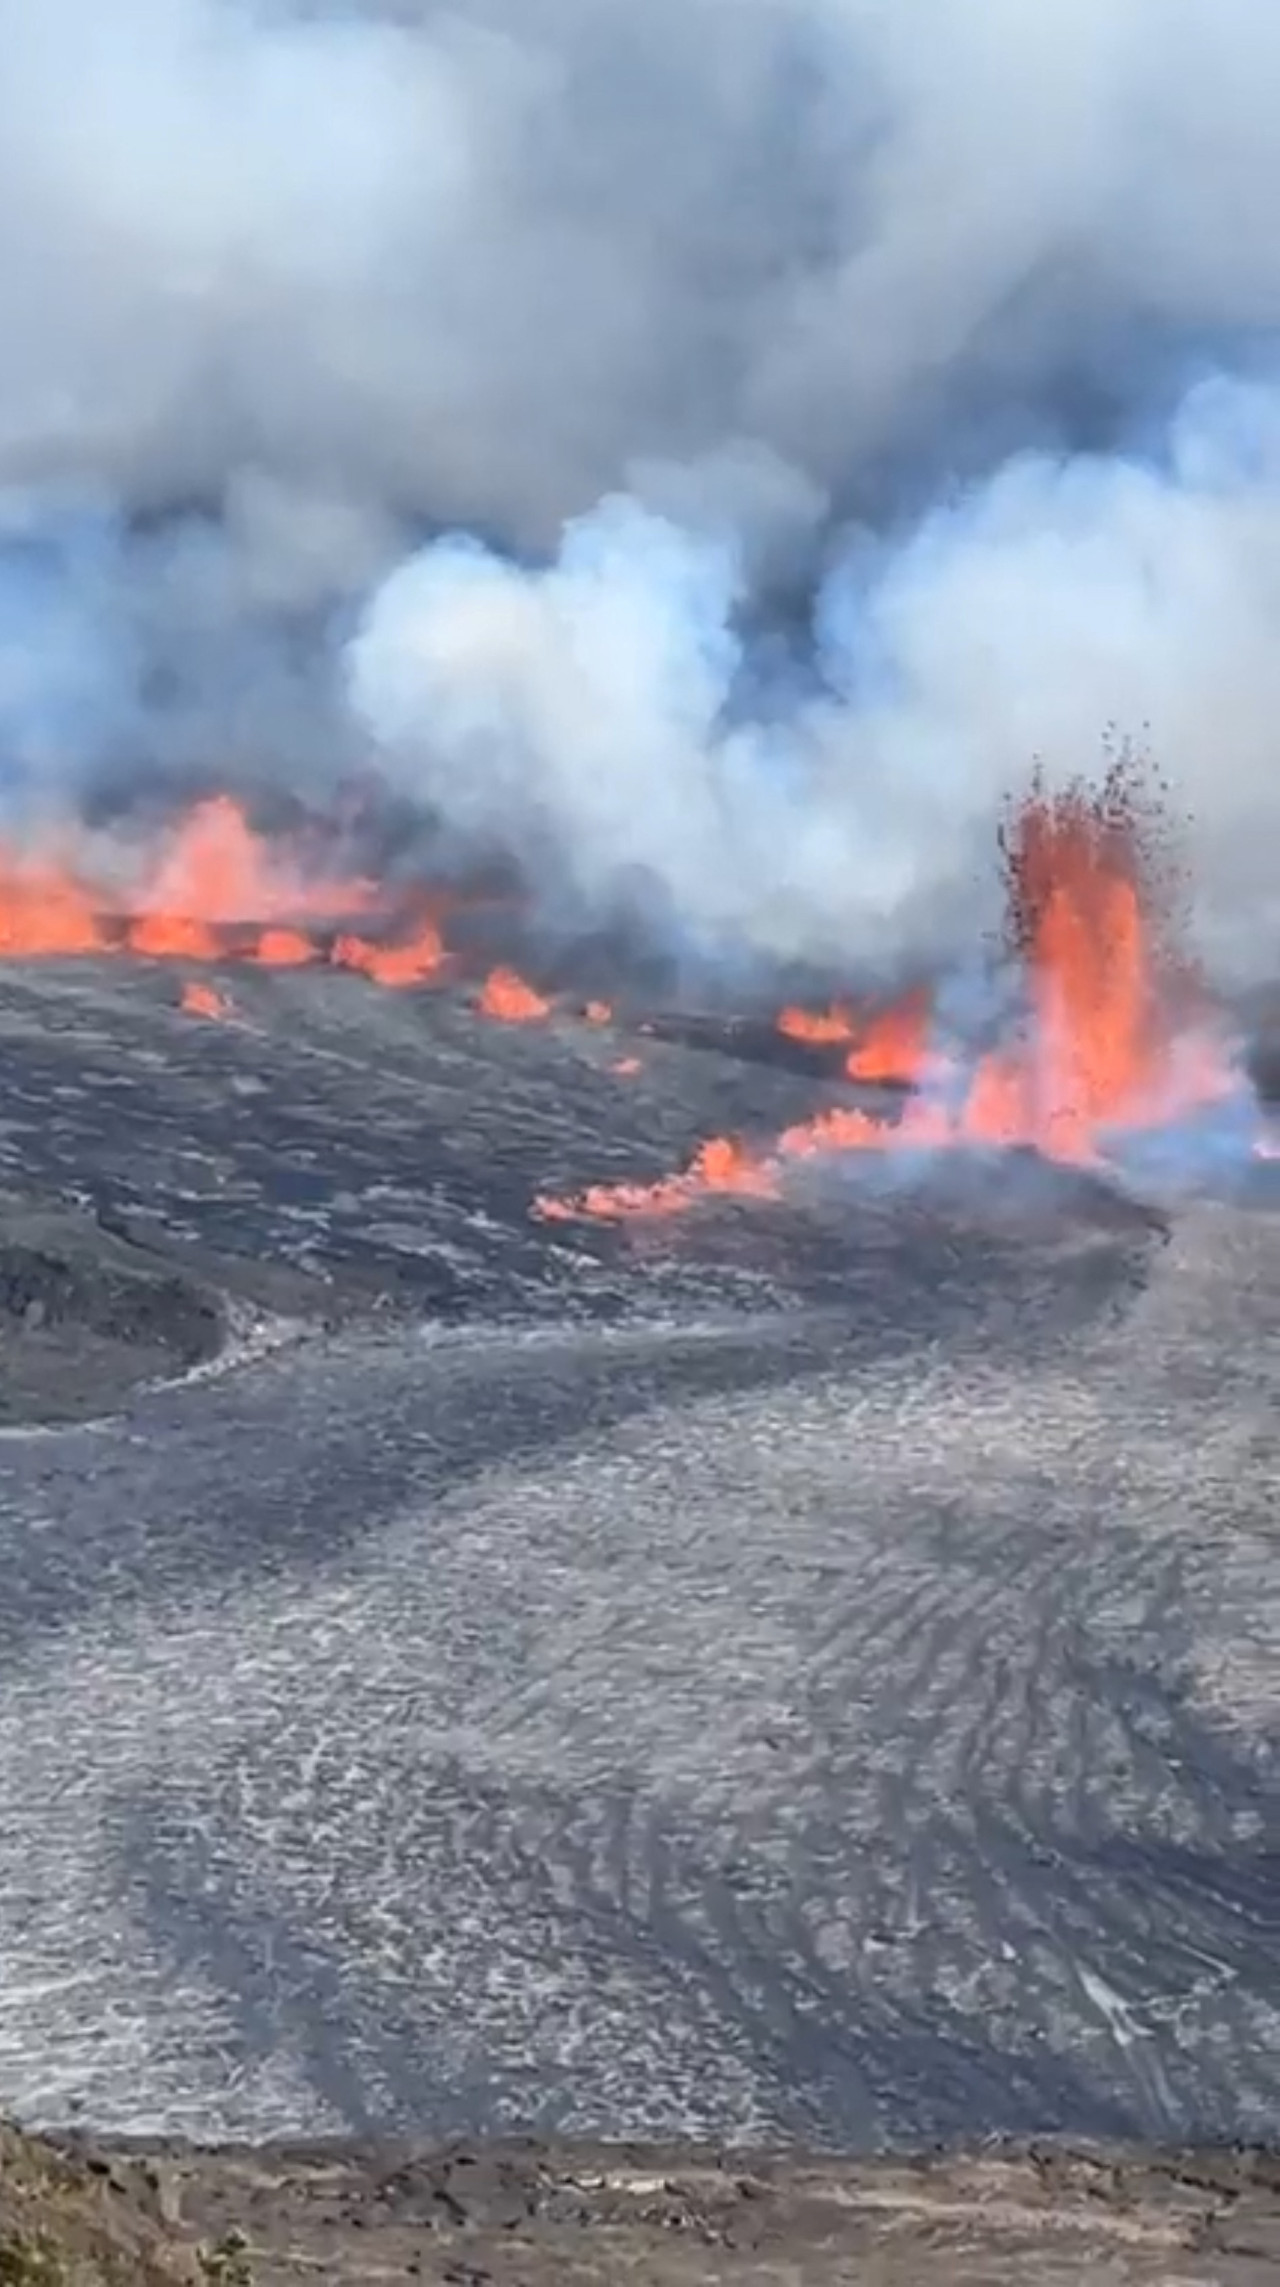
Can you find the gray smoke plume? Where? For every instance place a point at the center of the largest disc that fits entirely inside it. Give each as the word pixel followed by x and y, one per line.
pixel 720 442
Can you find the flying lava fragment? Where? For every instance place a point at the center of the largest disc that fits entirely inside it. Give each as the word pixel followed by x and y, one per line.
pixel 199 999
pixel 506 996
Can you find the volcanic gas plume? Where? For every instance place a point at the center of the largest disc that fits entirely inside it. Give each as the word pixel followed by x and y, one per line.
pixel 694 453
pixel 1110 1031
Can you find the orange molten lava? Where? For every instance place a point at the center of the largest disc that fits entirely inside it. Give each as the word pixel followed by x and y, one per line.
pixel 202 1000
pixel 209 871
pixel 820 1029
pixel 173 936
pixel 217 869
pixel 409 963
pixel 44 911
pixel 719 1165
pixel 212 888
pixel 1106 1037
pixel 507 996
pixel 889 1047
pixel 895 1045
pixel 190 898
pixel 284 949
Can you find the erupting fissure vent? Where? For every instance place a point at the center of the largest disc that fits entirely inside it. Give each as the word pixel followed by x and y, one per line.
pixel 208 888
pixel 1111 1033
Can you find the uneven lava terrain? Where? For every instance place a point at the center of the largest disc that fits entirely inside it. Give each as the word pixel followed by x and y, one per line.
pixel 529 2213
pixel 803 1667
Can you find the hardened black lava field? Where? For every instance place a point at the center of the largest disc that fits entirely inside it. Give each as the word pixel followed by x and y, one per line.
pixel 806 1670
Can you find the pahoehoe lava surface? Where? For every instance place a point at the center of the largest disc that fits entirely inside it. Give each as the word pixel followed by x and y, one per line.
pixel 807 1672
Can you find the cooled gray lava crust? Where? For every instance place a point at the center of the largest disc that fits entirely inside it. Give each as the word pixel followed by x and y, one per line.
pixel 804 1671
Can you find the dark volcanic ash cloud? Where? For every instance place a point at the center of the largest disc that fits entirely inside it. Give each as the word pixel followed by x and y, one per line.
pixel 943 326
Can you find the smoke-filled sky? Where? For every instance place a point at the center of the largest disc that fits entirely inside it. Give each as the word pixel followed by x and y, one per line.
pixel 713 444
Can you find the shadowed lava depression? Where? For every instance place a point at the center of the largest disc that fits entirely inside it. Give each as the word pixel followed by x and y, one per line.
pixel 803 1667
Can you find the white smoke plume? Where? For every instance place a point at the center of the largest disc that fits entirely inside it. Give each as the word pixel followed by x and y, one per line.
pixel 846 401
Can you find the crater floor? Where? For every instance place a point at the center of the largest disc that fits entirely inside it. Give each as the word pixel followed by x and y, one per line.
pixel 803 1671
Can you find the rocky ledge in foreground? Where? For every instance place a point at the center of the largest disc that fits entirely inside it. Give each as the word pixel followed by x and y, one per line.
pixel 92 1308
pixel 535 2214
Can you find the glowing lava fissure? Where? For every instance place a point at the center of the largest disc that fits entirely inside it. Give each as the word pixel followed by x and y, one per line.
pixel 203 1000
pixel 1111 1032
pixel 210 888
pixel 506 996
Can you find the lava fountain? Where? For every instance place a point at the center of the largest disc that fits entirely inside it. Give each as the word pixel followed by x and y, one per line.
pixel 1111 1032
pixel 211 888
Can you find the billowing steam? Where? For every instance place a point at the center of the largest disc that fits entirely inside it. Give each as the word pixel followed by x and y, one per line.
pixel 705 448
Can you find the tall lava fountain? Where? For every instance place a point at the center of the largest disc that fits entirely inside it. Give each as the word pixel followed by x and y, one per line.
pixel 1110 1031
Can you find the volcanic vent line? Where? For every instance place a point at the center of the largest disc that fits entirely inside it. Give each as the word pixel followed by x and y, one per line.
pixel 1112 1031
pixel 209 887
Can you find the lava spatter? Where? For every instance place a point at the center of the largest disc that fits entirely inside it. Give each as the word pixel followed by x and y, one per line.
pixel 506 996
pixel 199 999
